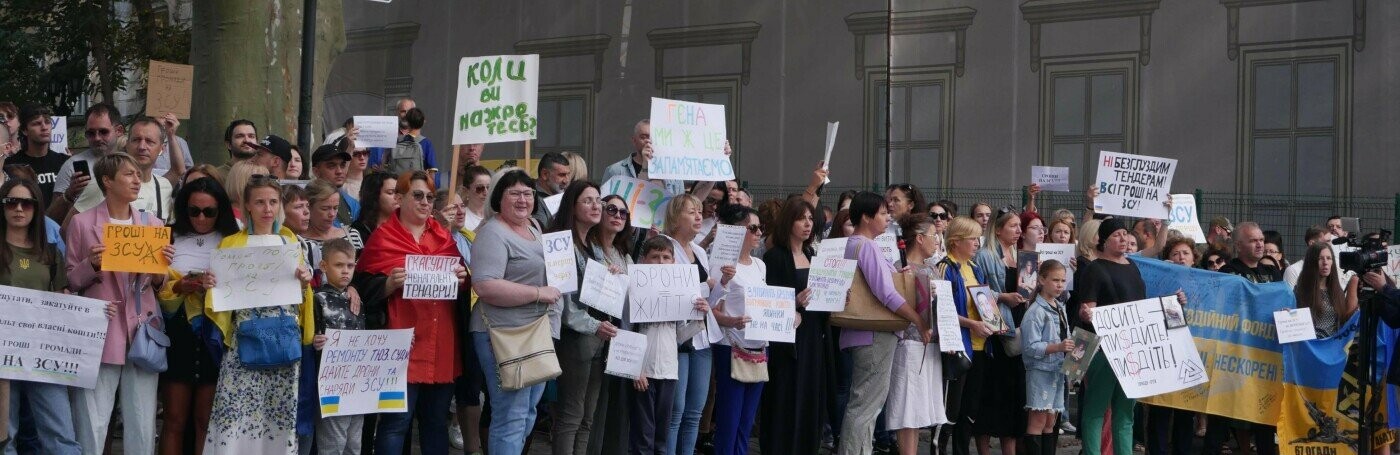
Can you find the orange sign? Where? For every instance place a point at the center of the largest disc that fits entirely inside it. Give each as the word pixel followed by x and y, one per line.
pixel 135 249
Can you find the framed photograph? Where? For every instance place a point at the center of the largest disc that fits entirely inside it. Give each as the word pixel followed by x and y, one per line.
pixel 1086 344
pixel 1172 313
pixel 1027 272
pixel 986 301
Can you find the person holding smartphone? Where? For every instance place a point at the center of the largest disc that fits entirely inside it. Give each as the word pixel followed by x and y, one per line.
pixel 102 128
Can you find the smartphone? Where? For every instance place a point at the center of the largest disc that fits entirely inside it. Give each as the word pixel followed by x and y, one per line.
pixel 81 167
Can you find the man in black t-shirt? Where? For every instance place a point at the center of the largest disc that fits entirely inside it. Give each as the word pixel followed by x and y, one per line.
pixel 36 129
pixel 1249 249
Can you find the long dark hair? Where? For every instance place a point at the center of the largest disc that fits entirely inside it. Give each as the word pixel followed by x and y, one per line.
pixel 36 231
pixel 564 219
pixel 792 211
pixel 226 223
pixel 1308 293
pixel 369 199
pixel 623 241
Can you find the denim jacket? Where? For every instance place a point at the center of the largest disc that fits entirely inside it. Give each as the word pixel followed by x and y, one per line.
pixel 1039 329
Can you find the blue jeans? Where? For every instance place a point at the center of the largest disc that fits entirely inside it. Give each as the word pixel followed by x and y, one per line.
pixel 430 403
pixel 691 391
pixel 736 404
pixel 52 412
pixel 512 412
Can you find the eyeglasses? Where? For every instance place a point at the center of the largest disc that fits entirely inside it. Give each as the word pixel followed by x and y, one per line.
pixel 421 197
pixel 526 194
pixel 711 201
pixel 207 212
pixel 19 203
pixel 479 189
pixel 939 216
pixel 755 229
pixel 613 210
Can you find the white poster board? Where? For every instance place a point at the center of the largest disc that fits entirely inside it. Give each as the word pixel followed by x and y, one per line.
pixel 663 292
pixel 51 338
pixel 253 277
pixel 603 290
pixel 1294 325
pixel 1062 253
pixel 377 131
pixel 1185 219
pixel 687 141
pixel 1147 358
pixel 430 277
pixel 551 203
pixel 1133 185
pixel 831 128
pixel 1393 262
pixel 1050 178
pixel 945 315
pixel 727 246
pixel 364 372
pixel 497 99
pixel 889 246
pixel 58 135
pixel 832 248
pixel 773 311
pixel 645 200
pixel 561 271
pixel 830 279
pixel 627 354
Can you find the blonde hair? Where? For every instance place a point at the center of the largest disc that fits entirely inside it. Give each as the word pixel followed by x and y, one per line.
pixel 960 228
pixel 990 237
pixel 319 190
pixel 209 170
pixel 1088 239
pixel 578 167
pixel 676 209
pixel 238 176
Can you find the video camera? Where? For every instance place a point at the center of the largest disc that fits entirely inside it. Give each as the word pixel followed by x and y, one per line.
pixel 1367 254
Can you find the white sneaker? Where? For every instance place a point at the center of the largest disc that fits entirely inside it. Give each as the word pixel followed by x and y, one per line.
pixel 1066 427
pixel 454 434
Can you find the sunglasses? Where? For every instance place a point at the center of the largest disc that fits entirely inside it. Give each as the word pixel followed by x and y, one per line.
pixel 207 212
pixel 19 203
pixel 755 229
pixel 479 189
pixel 421 197
pixel 359 154
pixel 939 216
pixel 613 210
pixel 1005 210
pixel 1220 261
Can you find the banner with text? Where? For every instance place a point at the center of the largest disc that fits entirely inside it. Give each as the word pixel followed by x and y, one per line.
pixel 1133 185
pixel 561 271
pixel 830 280
pixel 773 312
pixel 497 99
pixel 364 372
pixel 377 131
pixel 687 140
pixel 603 290
pixel 257 276
pixel 430 277
pixel 663 292
pixel 1321 403
pixel 51 338
pixel 1147 356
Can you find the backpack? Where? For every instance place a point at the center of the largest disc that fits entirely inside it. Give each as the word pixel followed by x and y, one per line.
pixel 406 156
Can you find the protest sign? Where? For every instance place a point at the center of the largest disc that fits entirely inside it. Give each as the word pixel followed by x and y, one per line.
pixel 687 140
pixel 945 317
pixel 889 246
pixel 773 311
pixel 169 89
pixel 1393 262
pixel 51 338
pixel 552 203
pixel 1086 344
pixel 430 277
pixel 497 99
pixel 988 311
pixel 561 272
pixel 830 280
pixel 364 372
pixel 663 292
pixel 377 131
pixel 1027 269
pixel 831 128
pixel 832 248
pixel 1294 325
pixel 727 246
pixel 58 135
pixel 134 248
pixel 646 200
pixel 603 290
pixel 1147 358
pixel 1050 178
pixel 256 276
pixel 1185 219
pixel 1133 185
pixel 1059 252
pixel 627 353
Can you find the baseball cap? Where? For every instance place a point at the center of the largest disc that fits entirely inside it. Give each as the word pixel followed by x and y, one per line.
pixel 277 147
pixel 1222 222
pixel 330 151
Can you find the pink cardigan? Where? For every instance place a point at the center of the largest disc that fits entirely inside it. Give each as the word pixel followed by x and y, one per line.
pixel 84 231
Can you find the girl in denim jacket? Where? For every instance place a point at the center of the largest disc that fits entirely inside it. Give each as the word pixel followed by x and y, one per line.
pixel 1044 341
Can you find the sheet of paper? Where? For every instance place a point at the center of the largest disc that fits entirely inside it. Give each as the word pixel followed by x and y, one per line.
pixel 377 131
pixel 603 290
pixel 364 372
pixel 560 268
pixel 662 292
pixel 627 352
pixel 136 249
pixel 727 247
pixel 1294 325
pixel 253 277
pixel 1059 252
pixel 491 91
pixel 430 277
pixel 946 318
pixel 773 311
pixel 832 248
pixel 831 128
pixel 58 134
pixel 1133 185
pixel 1185 219
pixel 51 338
pixel 169 88
pixel 830 279
pixel 889 246
pixel 1050 178
pixel 552 203
pixel 645 200
pixel 688 139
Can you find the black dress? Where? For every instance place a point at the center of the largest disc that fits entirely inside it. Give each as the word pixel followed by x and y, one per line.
pixel 1003 411
pixel 794 404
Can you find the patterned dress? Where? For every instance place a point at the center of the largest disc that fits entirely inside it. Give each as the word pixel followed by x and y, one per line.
pixel 254 411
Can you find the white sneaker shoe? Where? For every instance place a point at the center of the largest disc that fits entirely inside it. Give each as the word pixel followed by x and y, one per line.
pixel 454 435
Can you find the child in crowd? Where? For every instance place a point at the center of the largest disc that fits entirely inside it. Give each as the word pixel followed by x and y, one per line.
pixel 655 390
pixel 340 434
pixel 1045 340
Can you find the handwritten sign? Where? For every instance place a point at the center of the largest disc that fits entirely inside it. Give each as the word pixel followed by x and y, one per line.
pixel 663 292
pixel 1393 262
pixel 646 200
pixel 253 277
pixel 832 248
pixel 58 135
pixel 560 269
pixel 1050 178
pixel 627 353
pixel 364 372
pixel 688 139
pixel 377 131
pixel 1294 325
pixel 603 290
pixel 135 249
pixel 1147 358
pixel 830 279
pixel 889 246
pixel 831 128
pixel 430 277
pixel 1059 252
pixel 727 247
pixel 497 99
pixel 1185 219
pixel 169 88
pixel 945 317
pixel 51 338
pixel 773 312
pixel 1133 185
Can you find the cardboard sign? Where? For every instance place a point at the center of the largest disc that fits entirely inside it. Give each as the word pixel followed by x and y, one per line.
pixel 1185 219
pixel 1294 325
pixel 430 277
pixel 253 277
pixel 773 311
pixel 1133 185
pixel 646 200
pixel 551 203
pixel 945 318
pixel 169 89
pixel 364 372
pixel 688 142
pixel 135 248
pixel 497 99
pixel 1147 358
pixel 830 280
pixel 377 131
pixel 663 292
pixel 603 290
pixel 727 246
pixel 51 338
pixel 627 353
pixel 1050 178
pixel 58 135
pixel 1086 344
pixel 831 128
pixel 832 248
pixel 561 272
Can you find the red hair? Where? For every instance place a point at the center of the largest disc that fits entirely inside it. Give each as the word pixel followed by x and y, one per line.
pixel 1026 218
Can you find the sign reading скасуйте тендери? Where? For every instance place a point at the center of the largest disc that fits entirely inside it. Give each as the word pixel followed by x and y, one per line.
pixel 497 98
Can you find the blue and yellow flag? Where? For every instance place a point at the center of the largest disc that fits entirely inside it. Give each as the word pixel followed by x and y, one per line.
pixel 1321 404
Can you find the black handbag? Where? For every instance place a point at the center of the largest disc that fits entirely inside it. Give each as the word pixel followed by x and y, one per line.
pixel 955 365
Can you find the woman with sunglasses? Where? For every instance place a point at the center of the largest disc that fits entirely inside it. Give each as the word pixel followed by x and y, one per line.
pixel 255 409
pixel 794 400
pixel 1000 375
pixel 354 178
pixel 203 217
pixel 478 183
pixel 736 402
pixel 611 241
pixel 940 215
pixel 434 363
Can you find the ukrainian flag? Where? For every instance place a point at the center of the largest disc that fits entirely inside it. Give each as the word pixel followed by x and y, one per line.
pixel 330 405
pixel 392 400
pixel 1320 406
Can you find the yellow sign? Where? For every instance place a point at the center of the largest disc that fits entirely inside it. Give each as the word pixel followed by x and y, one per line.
pixel 135 249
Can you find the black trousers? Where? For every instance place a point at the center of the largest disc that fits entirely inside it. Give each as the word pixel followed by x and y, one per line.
pixel 651 416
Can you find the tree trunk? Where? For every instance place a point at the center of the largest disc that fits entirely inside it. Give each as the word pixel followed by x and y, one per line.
pixel 246 56
pixel 102 62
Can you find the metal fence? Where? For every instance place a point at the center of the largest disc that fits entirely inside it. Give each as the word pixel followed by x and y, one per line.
pixel 1290 215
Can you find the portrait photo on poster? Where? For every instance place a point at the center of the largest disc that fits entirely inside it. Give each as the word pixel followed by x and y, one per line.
pixel 986 301
pixel 1172 314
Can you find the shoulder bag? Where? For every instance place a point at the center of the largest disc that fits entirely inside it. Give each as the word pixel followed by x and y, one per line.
pixel 524 355
pixel 749 366
pixel 147 348
pixel 864 311
pixel 269 342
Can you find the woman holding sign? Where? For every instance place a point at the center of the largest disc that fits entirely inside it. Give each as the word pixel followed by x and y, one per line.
pixel 737 402
pixel 964 394
pixel 1321 292
pixel 255 407
pixel 610 241
pixel 433 362
pixel 795 398
pixel 119 178
pixel 683 222
pixel 916 382
pixel 1003 375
